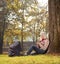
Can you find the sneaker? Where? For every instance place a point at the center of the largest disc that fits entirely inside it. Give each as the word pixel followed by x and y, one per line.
pixel 25 54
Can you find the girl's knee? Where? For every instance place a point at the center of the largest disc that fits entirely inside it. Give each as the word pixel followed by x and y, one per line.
pixel 33 46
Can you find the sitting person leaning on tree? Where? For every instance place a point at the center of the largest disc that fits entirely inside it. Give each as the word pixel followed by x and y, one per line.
pixel 41 45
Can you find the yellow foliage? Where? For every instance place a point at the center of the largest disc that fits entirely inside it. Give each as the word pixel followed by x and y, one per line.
pixel 35 59
pixel 15 4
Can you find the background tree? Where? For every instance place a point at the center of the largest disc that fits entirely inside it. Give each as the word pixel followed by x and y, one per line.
pixel 26 17
pixel 2 22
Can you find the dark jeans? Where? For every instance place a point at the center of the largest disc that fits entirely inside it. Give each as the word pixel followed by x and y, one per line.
pixel 36 49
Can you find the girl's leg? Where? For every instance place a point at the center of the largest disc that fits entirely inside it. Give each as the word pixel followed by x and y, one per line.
pixel 30 50
pixel 37 50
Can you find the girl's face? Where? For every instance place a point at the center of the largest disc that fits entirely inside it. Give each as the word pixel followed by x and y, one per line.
pixel 43 35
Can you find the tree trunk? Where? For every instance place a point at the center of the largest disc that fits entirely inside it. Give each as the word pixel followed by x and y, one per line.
pixel 54 25
pixel 1 46
pixel 2 23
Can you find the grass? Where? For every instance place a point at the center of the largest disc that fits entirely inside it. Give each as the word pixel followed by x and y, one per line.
pixel 38 59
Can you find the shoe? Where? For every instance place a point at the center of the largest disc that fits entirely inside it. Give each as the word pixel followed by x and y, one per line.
pixel 25 54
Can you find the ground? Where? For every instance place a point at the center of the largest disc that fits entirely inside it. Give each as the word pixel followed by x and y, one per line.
pixel 38 59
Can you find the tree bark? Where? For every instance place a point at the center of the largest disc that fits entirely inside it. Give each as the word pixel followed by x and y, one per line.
pixel 2 23
pixel 54 25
